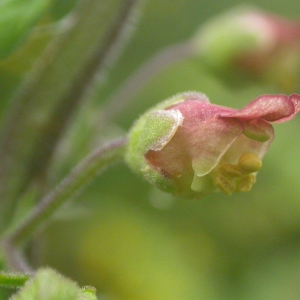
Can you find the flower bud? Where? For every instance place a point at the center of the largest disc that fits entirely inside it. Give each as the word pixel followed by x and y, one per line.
pixel 189 147
pixel 251 42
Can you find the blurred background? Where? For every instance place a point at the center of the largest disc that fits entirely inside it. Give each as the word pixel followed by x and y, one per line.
pixel 133 242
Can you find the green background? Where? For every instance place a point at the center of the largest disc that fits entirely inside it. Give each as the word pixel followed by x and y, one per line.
pixel 133 242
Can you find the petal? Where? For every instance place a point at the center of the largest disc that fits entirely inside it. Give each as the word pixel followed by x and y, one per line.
pixel 198 110
pixel 268 107
pixel 295 98
pixel 213 138
pixel 204 136
pixel 197 147
pixel 202 185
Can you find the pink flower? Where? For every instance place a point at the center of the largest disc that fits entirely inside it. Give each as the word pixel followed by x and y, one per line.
pixel 254 43
pixel 278 49
pixel 190 147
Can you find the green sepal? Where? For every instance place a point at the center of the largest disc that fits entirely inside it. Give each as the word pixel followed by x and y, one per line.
pixel 160 126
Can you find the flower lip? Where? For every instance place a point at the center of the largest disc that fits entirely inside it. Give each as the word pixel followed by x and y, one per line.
pixel 295 98
pixel 271 108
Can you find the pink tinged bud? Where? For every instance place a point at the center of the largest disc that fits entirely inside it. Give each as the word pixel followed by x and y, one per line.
pixel 258 44
pixel 189 147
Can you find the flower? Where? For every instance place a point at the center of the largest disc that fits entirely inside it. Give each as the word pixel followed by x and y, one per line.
pixel 254 43
pixel 190 147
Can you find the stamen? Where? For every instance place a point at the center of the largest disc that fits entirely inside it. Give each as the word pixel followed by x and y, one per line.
pixel 230 170
pixel 249 163
pixel 246 183
pixel 236 178
pixel 223 184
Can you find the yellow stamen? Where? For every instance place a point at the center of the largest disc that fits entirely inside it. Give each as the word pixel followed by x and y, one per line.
pixel 236 178
pixel 230 170
pixel 246 183
pixel 223 184
pixel 249 163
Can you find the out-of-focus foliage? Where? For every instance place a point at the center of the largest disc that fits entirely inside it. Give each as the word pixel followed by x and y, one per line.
pixel 16 19
pixel 131 241
pixel 24 41
pixel 49 285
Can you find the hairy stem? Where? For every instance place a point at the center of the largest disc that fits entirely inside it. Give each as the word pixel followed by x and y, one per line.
pixel 53 90
pixel 78 178
pixel 15 258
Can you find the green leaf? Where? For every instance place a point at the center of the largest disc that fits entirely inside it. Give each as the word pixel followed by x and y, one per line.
pixel 47 284
pixel 17 17
pixel 13 280
pixel 88 293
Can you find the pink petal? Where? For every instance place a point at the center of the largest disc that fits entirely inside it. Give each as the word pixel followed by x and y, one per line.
pixel 199 143
pixel 295 98
pixel 205 135
pixel 268 107
pixel 213 139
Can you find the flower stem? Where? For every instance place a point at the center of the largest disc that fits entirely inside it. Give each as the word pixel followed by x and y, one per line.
pixel 78 178
pixel 15 258
pixel 54 90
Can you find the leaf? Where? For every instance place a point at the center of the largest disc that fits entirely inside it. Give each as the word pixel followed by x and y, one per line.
pixel 17 17
pixel 47 284
pixel 13 280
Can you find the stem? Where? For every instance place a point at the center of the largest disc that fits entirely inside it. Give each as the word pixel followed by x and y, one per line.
pixel 52 92
pixel 78 178
pixel 152 67
pixel 15 258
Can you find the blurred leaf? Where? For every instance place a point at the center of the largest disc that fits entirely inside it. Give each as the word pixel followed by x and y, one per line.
pixel 61 8
pixel 50 285
pixel 13 280
pixel 17 17
pixel 15 66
